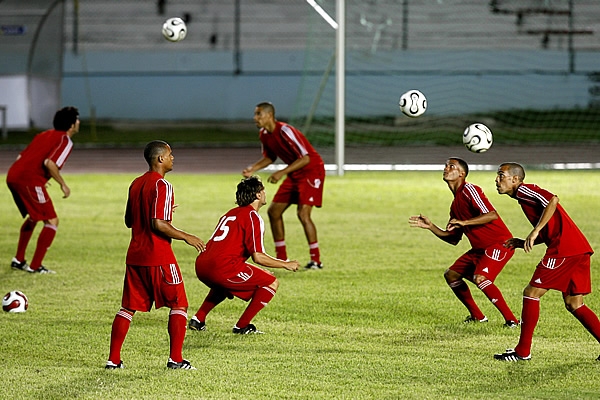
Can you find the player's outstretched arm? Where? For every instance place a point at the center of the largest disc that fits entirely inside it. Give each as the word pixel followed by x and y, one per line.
pixel 167 229
pixel 257 166
pixel 271 262
pixel 421 221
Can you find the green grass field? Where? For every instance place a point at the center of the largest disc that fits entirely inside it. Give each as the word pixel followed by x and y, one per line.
pixel 378 322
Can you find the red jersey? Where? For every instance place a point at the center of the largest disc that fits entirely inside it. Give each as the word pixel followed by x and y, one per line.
pixel 561 235
pixel 289 144
pixel 470 202
pixel 237 236
pixel 150 197
pixel 29 167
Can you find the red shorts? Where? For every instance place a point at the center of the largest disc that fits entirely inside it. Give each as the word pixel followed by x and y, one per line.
pixel 488 262
pixel 570 275
pixel 160 285
pixel 243 285
pixel 306 190
pixel 33 200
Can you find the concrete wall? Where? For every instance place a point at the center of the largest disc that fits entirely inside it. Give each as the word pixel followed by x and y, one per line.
pixel 203 85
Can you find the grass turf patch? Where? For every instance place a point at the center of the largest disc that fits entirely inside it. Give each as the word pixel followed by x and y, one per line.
pixel 377 322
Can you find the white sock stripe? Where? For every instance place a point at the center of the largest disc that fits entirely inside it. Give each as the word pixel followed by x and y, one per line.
pixel 125 315
pixel 269 289
pixel 280 243
pixel 50 226
pixel 531 298
pixel 179 312
pixel 484 284
pixel 314 245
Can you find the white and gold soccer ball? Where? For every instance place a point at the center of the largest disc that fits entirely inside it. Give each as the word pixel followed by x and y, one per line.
pixel 413 103
pixel 477 138
pixel 174 29
pixel 15 302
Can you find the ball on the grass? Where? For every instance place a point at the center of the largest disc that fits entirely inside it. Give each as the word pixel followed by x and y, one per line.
pixel 15 302
pixel 477 138
pixel 174 29
pixel 413 103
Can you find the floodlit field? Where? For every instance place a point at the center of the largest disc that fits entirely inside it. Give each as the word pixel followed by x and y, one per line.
pixel 377 322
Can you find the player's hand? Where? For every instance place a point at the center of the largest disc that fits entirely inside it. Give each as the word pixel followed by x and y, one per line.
pixel 454 224
pixel 195 242
pixel 291 265
pixel 419 221
pixel 514 243
pixel 275 177
pixel 247 172
pixel 66 191
pixel 530 241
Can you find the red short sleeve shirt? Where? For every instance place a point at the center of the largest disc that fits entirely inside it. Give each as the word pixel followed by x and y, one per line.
pixel 150 197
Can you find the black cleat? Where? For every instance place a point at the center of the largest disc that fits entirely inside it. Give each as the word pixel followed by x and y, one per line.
pixel 196 325
pixel 246 330
pixel 184 364
pixel 510 355
pixel 313 265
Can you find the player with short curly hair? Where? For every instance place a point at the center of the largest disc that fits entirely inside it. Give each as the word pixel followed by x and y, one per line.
pixel 223 267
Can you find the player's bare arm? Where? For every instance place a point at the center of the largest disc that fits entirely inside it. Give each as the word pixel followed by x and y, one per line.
pixel 295 166
pixel 546 215
pixel 421 221
pixel 478 220
pixel 271 262
pixel 257 166
pixel 167 229
pixel 55 174
pixel 514 243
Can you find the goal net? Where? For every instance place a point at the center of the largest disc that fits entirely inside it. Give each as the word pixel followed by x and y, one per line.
pixel 526 68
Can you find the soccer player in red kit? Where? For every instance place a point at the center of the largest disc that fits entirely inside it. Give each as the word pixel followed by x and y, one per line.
pixel 152 274
pixel 472 214
pixel 565 266
pixel 223 267
pixel 304 182
pixel 27 178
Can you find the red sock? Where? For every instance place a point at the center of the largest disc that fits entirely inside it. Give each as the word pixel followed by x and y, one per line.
pixel 315 253
pixel 261 298
pixel 24 237
pixel 120 327
pixel 280 250
pixel 211 301
pixel 589 320
pixel 44 241
pixel 493 293
pixel 177 326
pixel 529 320
pixel 461 290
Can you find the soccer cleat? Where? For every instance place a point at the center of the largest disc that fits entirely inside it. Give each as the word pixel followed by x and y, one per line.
pixel 510 355
pixel 112 365
pixel 470 319
pixel 22 265
pixel 511 324
pixel 598 359
pixel 314 265
pixel 42 270
pixel 184 364
pixel 196 325
pixel 250 328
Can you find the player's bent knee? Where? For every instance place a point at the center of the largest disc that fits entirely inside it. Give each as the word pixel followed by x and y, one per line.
pixel 274 285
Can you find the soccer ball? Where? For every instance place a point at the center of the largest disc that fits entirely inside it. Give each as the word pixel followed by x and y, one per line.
pixel 174 29
pixel 15 302
pixel 413 103
pixel 477 138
